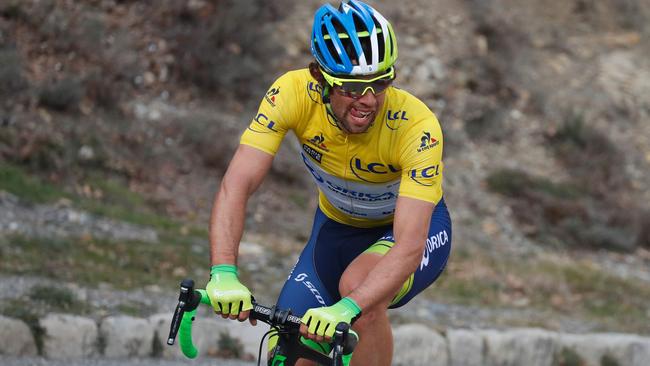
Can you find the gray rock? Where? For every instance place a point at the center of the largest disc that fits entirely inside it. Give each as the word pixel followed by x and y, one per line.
pixel 61 221
pixel 628 350
pixel 126 336
pixel 68 336
pixel 206 332
pixel 205 335
pixel 15 338
pixel 417 345
pixel 466 347
pixel 161 325
pixel 249 336
pixel 530 347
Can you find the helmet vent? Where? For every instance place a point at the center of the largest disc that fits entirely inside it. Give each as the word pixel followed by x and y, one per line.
pixel 381 43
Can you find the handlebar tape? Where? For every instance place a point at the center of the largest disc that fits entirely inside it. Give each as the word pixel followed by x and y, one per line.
pixel 185 335
pixel 185 331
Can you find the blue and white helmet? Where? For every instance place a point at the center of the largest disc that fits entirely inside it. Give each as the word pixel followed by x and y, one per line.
pixel 353 39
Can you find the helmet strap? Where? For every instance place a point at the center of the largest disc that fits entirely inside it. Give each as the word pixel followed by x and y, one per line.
pixel 316 73
pixel 325 97
pixel 325 93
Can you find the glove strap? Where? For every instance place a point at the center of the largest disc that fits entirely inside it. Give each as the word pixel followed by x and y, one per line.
pixel 223 268
pixel 351 304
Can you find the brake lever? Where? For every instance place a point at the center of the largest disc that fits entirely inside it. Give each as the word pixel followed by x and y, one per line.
pixel 184 299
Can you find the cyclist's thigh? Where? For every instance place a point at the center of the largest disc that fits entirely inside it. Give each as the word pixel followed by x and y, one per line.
pixel 314 280
pixel 434 256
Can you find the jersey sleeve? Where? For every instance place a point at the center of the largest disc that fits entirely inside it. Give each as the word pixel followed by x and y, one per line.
pixel 277 114
pixel 421 160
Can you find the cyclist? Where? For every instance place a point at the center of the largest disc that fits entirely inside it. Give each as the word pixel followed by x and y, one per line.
pixel 382 232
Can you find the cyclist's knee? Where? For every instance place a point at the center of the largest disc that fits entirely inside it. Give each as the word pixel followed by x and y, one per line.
pixel 353 276
pixel 370 318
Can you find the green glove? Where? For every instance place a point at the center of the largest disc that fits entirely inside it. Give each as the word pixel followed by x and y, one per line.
pixel 227 295
pixel 322 321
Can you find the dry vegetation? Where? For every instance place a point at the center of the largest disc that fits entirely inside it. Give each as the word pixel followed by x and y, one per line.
pixel 132 110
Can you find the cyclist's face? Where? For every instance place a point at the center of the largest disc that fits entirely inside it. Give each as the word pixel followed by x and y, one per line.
pixel 356 114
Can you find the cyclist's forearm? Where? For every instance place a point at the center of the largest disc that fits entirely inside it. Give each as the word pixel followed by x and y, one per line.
pixel 227 224
pixel 410 230
pixel 388 276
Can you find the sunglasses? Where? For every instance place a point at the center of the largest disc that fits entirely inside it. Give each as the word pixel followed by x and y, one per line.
pixel 356 88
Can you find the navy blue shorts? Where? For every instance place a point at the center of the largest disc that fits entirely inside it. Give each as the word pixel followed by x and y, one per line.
pixel 314 281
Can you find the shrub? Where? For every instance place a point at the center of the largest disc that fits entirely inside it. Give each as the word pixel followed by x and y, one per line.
pixel 30 189
pixel 54 298
pixel 560 212
pixel 229 346
pixel 39 151
pixel 224 55
pixel 596 163
pixel 573 131
pixel 11 78
pixel 63 95
pixel 198 132
pixel 512 182
pixel 568 357
pixel 643 239
pixel 99 87
pixel 12 10
pixel 597 234
pixel 608 360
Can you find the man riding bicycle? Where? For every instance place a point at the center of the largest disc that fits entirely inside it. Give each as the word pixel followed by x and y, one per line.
pixel 382 232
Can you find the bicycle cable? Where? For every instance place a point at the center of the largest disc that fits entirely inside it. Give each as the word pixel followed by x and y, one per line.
pixel 272 330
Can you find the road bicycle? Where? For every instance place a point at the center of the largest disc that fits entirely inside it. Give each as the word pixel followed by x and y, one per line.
pixel 290 345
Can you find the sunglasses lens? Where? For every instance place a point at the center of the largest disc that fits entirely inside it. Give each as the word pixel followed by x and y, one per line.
pixel 359 88
pixel 356 88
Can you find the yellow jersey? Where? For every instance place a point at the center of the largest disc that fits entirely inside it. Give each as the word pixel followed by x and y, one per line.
pixel 359 176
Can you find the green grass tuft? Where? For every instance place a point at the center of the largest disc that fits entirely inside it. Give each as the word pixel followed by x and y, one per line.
pixel 608 360
pixel 30 189
pixel 568 357
pixel 55 298
pixel 229 346
pixel 516 183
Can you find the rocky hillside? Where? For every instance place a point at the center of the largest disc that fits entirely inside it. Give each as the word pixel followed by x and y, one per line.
pixel 117 119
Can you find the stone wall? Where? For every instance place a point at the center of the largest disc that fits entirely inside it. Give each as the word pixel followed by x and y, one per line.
pixel 63 336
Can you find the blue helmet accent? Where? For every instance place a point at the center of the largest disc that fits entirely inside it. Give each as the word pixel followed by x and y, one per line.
pixel 352 40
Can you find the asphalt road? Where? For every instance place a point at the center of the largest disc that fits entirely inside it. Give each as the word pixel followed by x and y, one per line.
pixel 38 361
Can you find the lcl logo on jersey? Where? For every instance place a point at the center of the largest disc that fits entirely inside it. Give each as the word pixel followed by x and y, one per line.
pixel 371 172
pixel 393 119
pixel 264 122
pixel 420 176
pixel 314 91
pixel 427 142
pixel 270 95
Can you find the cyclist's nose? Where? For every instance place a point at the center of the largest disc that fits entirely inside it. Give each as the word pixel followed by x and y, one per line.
pixel 368 98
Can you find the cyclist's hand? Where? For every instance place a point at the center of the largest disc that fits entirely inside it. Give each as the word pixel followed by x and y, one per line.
pixel 227 295
pixel 319 323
